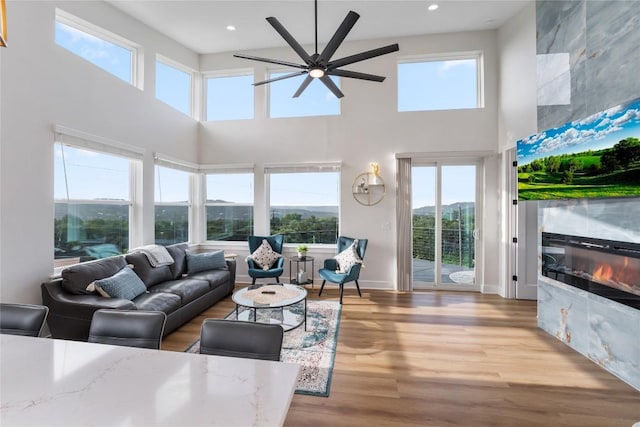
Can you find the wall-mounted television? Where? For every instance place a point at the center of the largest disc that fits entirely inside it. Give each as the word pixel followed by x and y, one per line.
pixel 598 156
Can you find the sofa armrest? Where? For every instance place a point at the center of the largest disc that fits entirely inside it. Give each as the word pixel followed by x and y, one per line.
pixel 70 315
pixel 231 265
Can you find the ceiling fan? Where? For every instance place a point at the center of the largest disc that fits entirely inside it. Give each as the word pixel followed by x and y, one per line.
pixel 319 65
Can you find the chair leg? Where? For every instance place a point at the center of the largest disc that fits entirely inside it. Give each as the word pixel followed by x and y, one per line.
pixel 277 279
pixel 341 291
pixel 358 288
pixel 253 282
pixel 322 287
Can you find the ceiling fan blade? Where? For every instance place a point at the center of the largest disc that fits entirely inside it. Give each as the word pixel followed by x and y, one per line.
pixel 339 36
pixel 303 86
pixel 275 79
pixel 363 56
pixel 271 61
pixel 356 75
pixel 289 39
pixel 331 85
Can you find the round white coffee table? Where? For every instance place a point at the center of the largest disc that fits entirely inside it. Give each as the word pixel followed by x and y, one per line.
pixel 281 304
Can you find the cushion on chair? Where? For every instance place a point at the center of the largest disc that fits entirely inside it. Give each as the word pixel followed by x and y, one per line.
pixel 347 258
pixel 124 284
pixel 205 261
pixel 264 256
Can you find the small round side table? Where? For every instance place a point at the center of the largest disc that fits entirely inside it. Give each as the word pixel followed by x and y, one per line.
pixel 301 271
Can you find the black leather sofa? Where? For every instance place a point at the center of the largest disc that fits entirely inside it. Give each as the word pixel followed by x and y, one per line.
pixel 169 289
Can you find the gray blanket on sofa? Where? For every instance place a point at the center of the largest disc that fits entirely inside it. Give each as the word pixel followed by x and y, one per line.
pixel 157 254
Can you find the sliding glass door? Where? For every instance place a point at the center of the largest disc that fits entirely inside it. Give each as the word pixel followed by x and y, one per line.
pixel 444 212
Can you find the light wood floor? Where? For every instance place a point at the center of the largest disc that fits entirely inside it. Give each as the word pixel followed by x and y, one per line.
pixel 450 359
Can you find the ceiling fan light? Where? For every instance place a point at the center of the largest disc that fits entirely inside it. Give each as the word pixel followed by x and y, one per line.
pixel 316 72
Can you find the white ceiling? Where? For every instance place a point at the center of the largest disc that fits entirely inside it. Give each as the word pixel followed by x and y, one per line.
pixel 200 25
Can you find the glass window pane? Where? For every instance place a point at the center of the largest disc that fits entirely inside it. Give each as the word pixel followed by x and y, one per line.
pixel 423 198
pixel 89 175
pixel 316 100
pixel 230 98
pixel 304 206
pixel 172 215
pixel 458 219
pixel 172 224
pixel 171 185
pixel 229 206
pixel 438 85
pixel 173 86
pixel 111 57
pixel 84 232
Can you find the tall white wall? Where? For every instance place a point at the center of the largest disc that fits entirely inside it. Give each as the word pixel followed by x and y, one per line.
pixel 43 85
pixel 518 119
pixel 518 102
pixel 368 129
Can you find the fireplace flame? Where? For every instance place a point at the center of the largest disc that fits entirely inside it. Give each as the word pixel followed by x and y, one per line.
pixel 603 273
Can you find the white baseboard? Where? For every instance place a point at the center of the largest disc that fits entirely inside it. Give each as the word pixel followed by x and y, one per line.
pixel 490 288
pixel 526 291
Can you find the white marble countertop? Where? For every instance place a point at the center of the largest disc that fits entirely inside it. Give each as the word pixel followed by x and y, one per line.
pixel 47 382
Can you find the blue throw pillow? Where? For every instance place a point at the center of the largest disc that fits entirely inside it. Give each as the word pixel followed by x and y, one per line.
pixel 124 284
pixel 205 261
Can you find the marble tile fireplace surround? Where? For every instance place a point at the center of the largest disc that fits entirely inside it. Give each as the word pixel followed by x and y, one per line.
pixel 589 287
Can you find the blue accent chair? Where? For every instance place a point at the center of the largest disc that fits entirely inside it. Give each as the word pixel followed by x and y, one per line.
pixel 328 273
pixel 255 271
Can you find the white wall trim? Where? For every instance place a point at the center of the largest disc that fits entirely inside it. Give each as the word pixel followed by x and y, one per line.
pixel 228 168
pixel 82 139
pixel 175 163
pixel 444 155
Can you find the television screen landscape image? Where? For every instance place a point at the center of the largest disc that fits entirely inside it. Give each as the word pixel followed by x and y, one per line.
pixel 598 156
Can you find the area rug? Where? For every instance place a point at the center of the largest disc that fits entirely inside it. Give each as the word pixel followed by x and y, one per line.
pixel 314 349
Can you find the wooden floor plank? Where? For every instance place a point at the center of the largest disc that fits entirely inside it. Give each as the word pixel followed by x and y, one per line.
pixel 450 359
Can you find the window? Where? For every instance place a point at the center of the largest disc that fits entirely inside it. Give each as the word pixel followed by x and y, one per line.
pixel 229 205
pixel 316 100
pixel 304 203
pixel 449 83
pixel 229 97
pixel 172 191
pixel 106 50
pixel 173 85
pixel 92 204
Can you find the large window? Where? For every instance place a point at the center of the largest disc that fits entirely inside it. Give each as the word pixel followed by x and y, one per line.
pixel 172 191
pixel 316 100
pixel 92 204
pixel 304 203
pixel 173 85
pixel 229 205
pixel 229 97
pixel 440 83
pixel 106 50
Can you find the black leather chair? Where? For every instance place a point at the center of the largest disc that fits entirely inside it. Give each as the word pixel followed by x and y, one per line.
pixel 130 328
pixel 22 319
pixel 236 338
